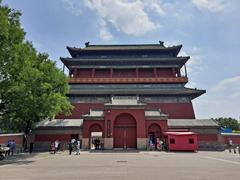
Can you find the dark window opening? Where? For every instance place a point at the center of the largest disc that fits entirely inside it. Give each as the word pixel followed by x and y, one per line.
pixel 172 141
pixel 191 141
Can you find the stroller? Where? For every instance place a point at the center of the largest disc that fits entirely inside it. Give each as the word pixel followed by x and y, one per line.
pixel 3 150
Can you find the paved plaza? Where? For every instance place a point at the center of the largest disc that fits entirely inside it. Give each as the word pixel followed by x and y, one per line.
pixel 122 165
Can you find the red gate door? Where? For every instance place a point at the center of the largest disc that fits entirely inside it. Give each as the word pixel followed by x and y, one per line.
pixel 131 137
pixel 118 137
pixel 125 134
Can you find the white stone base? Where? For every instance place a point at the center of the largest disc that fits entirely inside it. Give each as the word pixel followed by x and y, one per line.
pixel 108 143
pixel 142 143
pixel 85 143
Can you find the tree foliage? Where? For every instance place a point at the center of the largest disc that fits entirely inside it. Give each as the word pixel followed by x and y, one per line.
pixel 228 123
pixel 32 88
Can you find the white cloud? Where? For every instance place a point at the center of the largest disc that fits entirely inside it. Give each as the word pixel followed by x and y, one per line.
pixel 126 16
pixel 155 6
pixel 211 5
pixel 73 6
pixel 222 100
pixel 230 86
pixel 104 33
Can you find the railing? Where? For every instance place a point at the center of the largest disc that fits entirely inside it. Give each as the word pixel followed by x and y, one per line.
pixel 129 80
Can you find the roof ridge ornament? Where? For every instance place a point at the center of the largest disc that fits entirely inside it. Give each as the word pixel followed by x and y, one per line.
pixel 87 44
pixel 161 43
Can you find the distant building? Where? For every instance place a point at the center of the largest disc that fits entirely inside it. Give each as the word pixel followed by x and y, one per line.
pixel 125 96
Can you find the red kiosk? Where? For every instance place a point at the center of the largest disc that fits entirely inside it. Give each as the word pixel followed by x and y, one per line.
pixel 182 141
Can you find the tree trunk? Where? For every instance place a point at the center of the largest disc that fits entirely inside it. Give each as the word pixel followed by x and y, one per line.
pixel 26 136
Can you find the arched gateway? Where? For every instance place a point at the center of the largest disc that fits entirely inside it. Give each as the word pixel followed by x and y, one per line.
pixel 154 133
pixel 125 132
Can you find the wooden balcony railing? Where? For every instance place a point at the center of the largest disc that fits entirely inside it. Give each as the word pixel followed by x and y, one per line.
pixel 128 80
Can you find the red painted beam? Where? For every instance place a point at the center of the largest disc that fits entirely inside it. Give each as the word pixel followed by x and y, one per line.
pixel 129 80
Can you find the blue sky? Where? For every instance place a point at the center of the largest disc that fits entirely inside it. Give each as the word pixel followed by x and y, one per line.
pixel 208 29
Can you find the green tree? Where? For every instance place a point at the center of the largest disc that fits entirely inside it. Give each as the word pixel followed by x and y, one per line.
pixel 32 88
pixel 228 123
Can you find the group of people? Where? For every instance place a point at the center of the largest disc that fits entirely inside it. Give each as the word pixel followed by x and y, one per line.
pixel 55 146
pixel 74 144
pixel 97 144
pixel 157 144
pixel 11 144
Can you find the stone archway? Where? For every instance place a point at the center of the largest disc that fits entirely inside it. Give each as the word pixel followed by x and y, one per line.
pixel 154 133
pixel 125 131
pixel 155 129
pixel 95 128
pixel 96 135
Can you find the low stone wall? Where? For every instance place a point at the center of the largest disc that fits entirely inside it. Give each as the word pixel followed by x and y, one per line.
pixel 211 146
pixel 142 143
pixel 235 137
pixel 17 137
pixel 108 143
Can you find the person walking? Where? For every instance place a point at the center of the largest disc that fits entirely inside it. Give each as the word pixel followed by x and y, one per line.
pixel 230 144
pixel 7 153
pixel 56 143
pixel 78 148
pixel 70 147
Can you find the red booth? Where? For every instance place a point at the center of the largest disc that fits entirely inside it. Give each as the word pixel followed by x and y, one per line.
pixel 182 141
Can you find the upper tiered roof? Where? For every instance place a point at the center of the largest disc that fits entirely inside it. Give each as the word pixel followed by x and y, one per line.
pixel 124 61
pixel 133 89
pixel 127 49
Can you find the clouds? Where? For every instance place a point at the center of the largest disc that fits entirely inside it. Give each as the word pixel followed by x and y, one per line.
pixel 222 99
pixel 211 5
pixel 229 86
pixel 128 17
pixel 138 18
pixel 104 33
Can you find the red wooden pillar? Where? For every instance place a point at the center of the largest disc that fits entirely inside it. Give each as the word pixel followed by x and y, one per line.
pixel 179 73
pixel 174 72
pixel 93 72
pixel 111 72
pixel 137 72
pixel 155 72
pixel 75 72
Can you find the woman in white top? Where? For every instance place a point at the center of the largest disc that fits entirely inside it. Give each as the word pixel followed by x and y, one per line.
pixel 78 147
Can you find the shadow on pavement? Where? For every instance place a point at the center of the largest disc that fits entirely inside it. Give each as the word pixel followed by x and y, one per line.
pixel 18 159
pixel 115 151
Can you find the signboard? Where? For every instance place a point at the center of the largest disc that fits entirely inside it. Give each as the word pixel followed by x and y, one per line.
pixel 96 134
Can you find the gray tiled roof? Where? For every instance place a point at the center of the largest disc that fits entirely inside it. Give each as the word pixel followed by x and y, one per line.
pixel 94 113
pixel 124 101
pixel 130 89
pixel 192 122
pixel 154 113
pixel 119 62
pixel 122 48
pixel 61 123
pixel 125 47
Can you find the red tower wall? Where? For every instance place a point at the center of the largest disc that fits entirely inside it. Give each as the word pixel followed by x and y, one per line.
pixel 174 110
pixel 80 109
pixel 124 73
pixel 145 73
pixel 165 72
pixel 100 73
pixel 84 73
